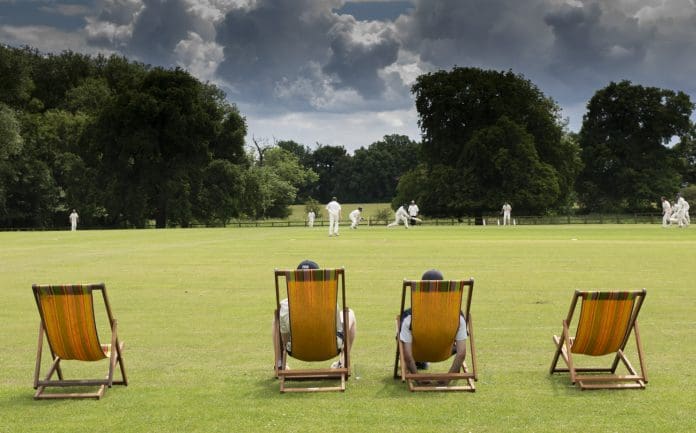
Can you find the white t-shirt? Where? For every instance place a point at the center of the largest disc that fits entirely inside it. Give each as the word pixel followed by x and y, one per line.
pixel 333 207
pixel 413 210
pixel 406 335
pixel 354 215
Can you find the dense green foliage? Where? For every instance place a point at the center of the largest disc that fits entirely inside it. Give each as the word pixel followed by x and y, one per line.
pixel 624 141
pixel 489 137
pixel 129 145
pixel 120 141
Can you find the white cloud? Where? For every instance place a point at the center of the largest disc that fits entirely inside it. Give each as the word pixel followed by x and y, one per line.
pixel 199 57
pixel 358 129
pixel 46 39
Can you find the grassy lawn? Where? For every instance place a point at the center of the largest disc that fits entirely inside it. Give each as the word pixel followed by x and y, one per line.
pixel 195 306
pixel 297 211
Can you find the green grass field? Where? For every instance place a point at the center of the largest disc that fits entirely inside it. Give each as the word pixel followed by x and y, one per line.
pixel 297 211
pixel 195 306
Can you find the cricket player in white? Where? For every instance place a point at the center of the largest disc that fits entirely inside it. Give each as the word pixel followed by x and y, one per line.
pixel 401 215
pixel 666 212
pixel 74 218
pixel 355 218
pixel 413 212
pixel 310 218
pixel 334 210
pixel 680 212
pixel 507 209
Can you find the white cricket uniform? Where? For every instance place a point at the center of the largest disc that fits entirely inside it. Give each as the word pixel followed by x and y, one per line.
pixel 354 218
pixel 401 215
pixel 310 218
pixel 666 213
pixel 334 210
pixel 73 220
pixel 507 209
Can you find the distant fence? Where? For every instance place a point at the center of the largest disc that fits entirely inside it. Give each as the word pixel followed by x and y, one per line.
pixel 642 218
pixel 490 220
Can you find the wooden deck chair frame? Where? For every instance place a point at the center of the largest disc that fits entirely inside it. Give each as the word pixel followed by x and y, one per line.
pixel 73 336
pixel 310 342
pixel 428 381
pixel 624 320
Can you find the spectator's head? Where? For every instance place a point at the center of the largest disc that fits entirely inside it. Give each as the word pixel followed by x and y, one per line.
pixel 432 274
pixel 307 264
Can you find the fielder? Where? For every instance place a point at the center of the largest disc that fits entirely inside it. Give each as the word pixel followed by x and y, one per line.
pixel 355 218
pixel 666 212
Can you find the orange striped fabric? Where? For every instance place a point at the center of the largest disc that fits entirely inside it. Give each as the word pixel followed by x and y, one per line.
pixel 68 316
pixel 312 304
pixel 435 307
pixel 605 318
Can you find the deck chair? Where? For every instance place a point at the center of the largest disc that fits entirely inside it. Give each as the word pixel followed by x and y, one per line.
pixel 607 320
pixel 68 323
pixel 435 310
pixel 313 302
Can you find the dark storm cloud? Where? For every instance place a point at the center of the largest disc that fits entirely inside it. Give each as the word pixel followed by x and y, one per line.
pixel 570 49
pixel 300 53
pixel 273 41
pixel 592 44
pixel 160 26
pixel 284 57
pixel 355 63
pixel 494 33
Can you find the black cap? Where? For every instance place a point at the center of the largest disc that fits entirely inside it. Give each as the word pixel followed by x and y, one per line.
pixel 432 274
pixel 307 264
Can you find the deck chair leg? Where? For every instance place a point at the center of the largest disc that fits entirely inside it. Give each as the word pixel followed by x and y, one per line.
pixel 396 362
pixel 559 343
pixel 119 346
pixel 567 356
pixel 396 359
pixel 639 349
pixel 39 353
pixel 472 346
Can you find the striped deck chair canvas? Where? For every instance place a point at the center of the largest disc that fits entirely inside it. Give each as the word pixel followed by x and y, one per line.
pixel 435 310
pixel 607 321
pixel 313 298
pixel 68 324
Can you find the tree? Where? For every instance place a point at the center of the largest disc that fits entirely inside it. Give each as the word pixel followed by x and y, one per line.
pixel 16 84
pixel 685 150
pixel 624 140
pixel 375 171
pixel 490 137
pixel 273 186
pixel 10 148
pixel 155 143
pixel 331 164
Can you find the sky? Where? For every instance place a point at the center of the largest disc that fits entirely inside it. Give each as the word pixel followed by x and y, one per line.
pixel 337 72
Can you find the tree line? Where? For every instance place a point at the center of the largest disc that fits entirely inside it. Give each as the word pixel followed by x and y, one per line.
pixel 126 143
